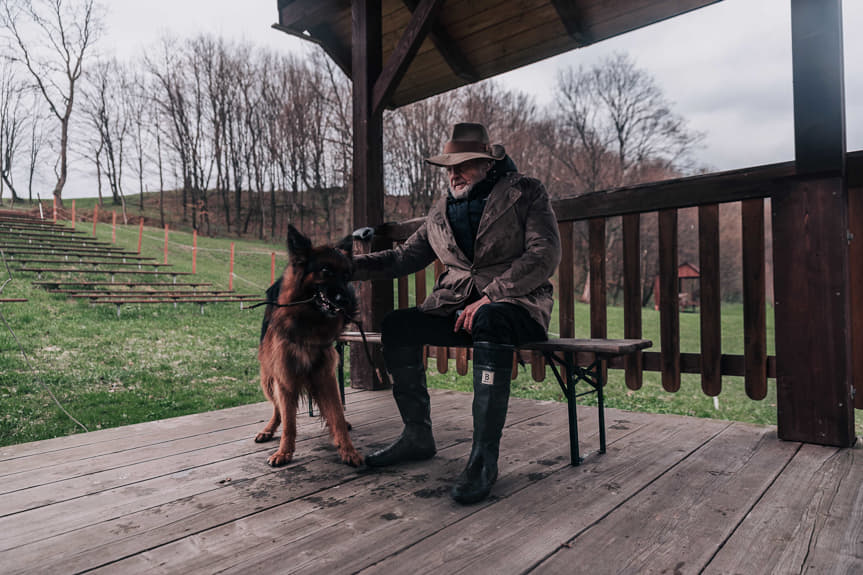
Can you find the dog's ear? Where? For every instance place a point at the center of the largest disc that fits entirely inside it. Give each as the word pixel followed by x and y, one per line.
pixel 346 246
pixel 299 245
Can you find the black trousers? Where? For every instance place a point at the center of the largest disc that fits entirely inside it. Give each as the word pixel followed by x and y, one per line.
pixel 502 323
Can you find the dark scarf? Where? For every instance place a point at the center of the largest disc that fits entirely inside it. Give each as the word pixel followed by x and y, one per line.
pixel 464 213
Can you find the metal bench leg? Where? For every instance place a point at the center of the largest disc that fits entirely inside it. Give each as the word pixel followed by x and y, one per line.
pixel 600 400
pixel 575 457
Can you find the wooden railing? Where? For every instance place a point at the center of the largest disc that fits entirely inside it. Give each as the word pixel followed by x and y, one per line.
pixel 749 187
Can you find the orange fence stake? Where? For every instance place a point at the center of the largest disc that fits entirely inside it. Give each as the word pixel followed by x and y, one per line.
pixel 194 249
pixel 95 218
pixel 55 209
pixel 231 270
pixel 166 244
pixel 114 227
pixel 140 234
pixel 73 213
pixel 272 268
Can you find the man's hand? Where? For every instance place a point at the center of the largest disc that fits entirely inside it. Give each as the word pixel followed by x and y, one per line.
pixel 465 320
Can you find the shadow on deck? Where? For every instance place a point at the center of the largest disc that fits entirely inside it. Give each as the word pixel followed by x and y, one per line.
pixel 194 495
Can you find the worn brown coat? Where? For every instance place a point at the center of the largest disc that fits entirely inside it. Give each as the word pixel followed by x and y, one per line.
pixel 516 251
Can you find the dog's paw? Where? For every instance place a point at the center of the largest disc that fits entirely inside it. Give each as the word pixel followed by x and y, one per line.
pixel 263 437
pixel 278 459
pixel 351 457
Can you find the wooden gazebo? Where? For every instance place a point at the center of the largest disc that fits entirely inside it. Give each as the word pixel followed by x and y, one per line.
pixel 402 51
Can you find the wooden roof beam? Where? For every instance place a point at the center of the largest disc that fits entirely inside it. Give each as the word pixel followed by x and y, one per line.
pixel 448 49
pixel 570 15
pixel 300 14
pixel 329 43
pixel 401 57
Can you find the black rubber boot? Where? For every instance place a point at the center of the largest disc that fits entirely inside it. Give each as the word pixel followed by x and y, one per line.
pixel 492 368
pixel 416 442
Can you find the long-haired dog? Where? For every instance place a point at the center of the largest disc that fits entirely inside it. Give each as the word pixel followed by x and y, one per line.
pixel 297 353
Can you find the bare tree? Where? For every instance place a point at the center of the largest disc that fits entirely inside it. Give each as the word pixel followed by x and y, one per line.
pixel 13 115
pixel 612 126
pixel 412 133
pixel 138 111
pixel 51 38
pixel 109 123
pixel 36 145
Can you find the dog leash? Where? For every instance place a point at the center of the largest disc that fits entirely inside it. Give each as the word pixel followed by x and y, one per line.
pixel 375 375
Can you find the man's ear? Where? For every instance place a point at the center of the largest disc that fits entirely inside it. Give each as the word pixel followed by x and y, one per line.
pixel 346 246
pixel 299 245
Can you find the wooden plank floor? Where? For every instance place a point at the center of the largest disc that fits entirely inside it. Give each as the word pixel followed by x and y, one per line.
pixel 194 495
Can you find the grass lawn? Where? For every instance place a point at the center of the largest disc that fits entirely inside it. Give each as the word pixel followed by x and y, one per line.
pixel 158 361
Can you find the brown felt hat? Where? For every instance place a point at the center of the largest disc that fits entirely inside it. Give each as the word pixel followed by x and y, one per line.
pixel 468 142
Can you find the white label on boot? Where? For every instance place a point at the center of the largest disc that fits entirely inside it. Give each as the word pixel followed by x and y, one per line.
pixel 487 377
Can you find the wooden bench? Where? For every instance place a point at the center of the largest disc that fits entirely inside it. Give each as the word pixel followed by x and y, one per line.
pixel 200 300
pixel 57 283
pixel 156 265
pixel 112 273
pixel 561 352
pixel 18 247
pixel 69 255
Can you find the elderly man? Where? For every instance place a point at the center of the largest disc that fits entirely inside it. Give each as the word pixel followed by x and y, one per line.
pixel 496 234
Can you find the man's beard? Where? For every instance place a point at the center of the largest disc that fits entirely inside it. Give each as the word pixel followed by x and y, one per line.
pixel 463 192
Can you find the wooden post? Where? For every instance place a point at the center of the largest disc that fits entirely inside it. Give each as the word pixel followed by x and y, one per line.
pixel 194 251
pixel 272 268
pixel 231 270
pixel 55 209
pixel 376 298
pixel 140 234
pixel 855 255
pixel 166 244
pixel 810 246
pixel 95 218
pixel 114 227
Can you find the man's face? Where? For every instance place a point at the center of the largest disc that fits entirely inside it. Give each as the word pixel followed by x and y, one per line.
pixel 464 176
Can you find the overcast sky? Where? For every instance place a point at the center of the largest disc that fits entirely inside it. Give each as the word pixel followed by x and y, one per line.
pixel 726 67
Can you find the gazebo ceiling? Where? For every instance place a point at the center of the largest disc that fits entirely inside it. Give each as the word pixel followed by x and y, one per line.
pixel 472 40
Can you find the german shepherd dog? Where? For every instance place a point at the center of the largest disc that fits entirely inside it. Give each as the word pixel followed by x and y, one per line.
pixel 297 353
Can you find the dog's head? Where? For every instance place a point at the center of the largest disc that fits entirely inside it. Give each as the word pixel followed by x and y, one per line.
pixel 323 274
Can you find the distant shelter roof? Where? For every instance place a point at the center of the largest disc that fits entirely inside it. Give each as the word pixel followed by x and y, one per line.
pixel 471 40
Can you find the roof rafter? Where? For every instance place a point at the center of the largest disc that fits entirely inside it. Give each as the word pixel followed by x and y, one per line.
pixel 448 49
pixel 570 15
pixel 422 19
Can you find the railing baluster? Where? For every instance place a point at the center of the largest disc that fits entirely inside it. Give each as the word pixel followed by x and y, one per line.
pixel 754 309
pixel 598 297
pixel 403 292
pixel 441 352
pixel 420 291
pixel 461 364
pixel 632 296
pixel 669 318
pixel 711 326
pixel 566 281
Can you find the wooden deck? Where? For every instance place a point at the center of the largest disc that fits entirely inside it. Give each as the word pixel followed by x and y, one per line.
pixel 194 495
